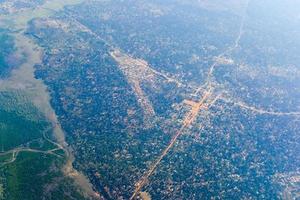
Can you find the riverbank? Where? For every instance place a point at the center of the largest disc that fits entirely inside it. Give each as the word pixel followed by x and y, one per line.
pixel 23 79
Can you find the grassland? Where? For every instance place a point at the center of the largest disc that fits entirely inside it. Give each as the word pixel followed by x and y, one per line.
pixel 30 163
pixel 17 129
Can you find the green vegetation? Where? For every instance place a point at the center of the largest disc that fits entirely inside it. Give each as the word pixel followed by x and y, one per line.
pixel 6 157
pixel 21 183
pixel 28 167
pixel 11 100
pixel 31 177
pixel 15 128
pixel 41 144
pixel 1 191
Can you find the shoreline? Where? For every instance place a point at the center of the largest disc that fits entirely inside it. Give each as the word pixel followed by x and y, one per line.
pixel 23 79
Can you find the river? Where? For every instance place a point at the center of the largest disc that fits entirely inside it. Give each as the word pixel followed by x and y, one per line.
pixel 22 78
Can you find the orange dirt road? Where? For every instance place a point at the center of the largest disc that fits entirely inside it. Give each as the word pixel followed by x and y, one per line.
pixel 188 120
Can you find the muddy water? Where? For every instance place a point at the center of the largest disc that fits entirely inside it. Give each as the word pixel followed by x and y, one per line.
pixel 22 79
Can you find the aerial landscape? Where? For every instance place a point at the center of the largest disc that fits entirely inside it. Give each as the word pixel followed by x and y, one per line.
pixel 149 99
